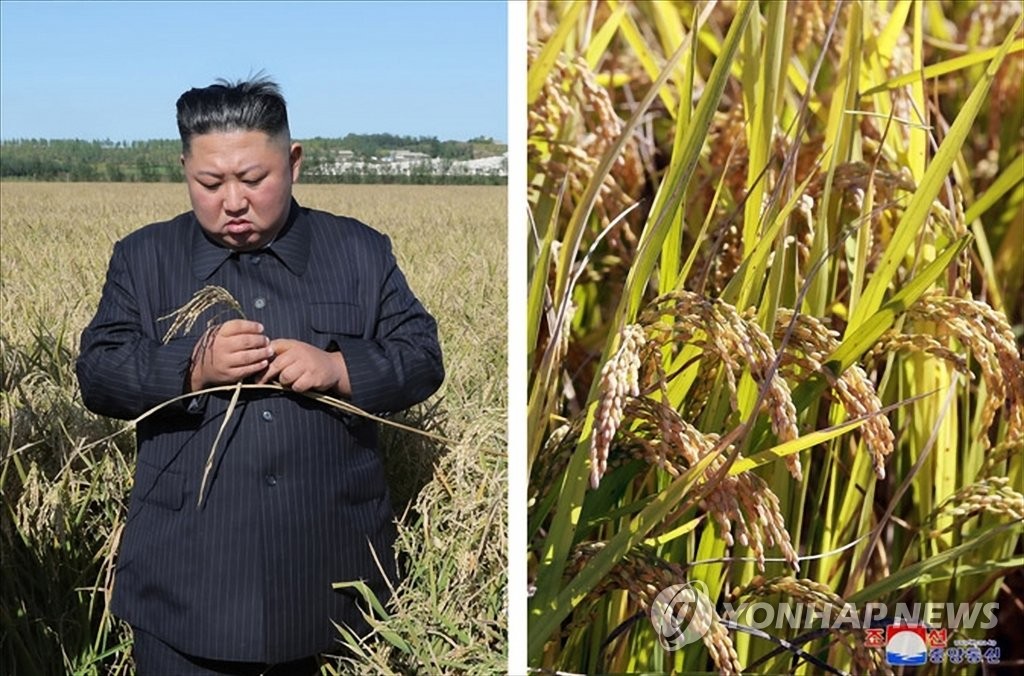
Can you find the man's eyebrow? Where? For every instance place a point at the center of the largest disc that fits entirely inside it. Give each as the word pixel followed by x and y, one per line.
pixel 217 174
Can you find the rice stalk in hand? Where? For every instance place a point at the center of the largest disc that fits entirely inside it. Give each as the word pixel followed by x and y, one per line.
pixel 216 441
pixel 202 300
pixel 185 318
pixel 333 402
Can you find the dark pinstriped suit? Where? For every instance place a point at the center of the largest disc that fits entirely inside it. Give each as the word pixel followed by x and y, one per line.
pixel 298 495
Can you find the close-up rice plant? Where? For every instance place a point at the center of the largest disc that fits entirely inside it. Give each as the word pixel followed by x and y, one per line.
pixel 775 331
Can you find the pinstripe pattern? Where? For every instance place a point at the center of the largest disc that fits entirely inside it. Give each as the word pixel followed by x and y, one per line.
pixel 298 495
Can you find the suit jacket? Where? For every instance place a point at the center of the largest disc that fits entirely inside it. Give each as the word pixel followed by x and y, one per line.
pixel 297 499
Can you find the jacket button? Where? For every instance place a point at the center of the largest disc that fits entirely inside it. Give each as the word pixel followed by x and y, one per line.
pixel 268 416
pixel 270 479
pixel 260 303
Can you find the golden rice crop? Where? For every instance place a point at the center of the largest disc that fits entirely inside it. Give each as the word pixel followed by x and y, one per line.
pixel 776 224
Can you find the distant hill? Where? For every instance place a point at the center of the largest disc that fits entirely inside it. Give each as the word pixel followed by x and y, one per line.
pixel 356 158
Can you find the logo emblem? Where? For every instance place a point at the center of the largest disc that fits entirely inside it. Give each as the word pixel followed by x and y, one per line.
pixel 681 614
pixel 905 645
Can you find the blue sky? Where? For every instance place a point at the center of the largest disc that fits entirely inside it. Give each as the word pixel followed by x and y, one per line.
pixel 98 70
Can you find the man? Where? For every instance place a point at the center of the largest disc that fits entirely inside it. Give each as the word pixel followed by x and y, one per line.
pixel 296 500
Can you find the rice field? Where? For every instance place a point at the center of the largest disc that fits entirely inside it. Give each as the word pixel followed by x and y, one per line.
pixel 64 502
pixel 774 332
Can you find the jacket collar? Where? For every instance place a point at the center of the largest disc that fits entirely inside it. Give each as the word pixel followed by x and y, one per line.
pixel 291 245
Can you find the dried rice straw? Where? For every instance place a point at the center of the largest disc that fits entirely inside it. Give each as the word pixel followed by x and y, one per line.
pixel 185 318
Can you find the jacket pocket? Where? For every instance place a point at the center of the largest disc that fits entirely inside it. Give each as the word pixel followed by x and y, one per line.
pixel 159 487
pixel 332 320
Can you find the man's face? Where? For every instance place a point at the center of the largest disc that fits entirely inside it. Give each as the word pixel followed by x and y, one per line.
pixel 240 184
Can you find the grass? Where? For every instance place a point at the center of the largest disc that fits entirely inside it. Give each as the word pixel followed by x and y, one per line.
pixel 773 347
pixel 64 498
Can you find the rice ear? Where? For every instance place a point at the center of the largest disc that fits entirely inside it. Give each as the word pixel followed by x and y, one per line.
pixel 185 318
pixel 202 300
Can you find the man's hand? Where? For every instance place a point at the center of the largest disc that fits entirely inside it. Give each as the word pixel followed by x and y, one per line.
pixel 301 367
pixel 228 353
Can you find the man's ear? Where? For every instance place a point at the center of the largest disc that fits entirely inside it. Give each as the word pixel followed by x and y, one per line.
pixel 295 160
pixel 182 159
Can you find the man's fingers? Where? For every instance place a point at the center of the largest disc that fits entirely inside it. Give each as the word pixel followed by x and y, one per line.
pixel 286 370
pixel 234 347
pixel 230 352
pixel 272 370
pixel 280 362
pixel 234 327
pixel 282 345
pixel 241 349
pixel 251 369
pixel 248 357
pixel 301 367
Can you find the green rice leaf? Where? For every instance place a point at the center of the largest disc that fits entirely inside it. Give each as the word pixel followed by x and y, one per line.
pixel 945 67
pixel 599 43
pixel 910 575
pixel 547 615
pixel 1007 180
pixel 648 59
pixel 696 134
pixel 556 547
pixel 917 211
pixel 794 446
pixel 541 68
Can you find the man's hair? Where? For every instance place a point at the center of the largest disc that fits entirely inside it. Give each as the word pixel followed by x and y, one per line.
pixel 246 105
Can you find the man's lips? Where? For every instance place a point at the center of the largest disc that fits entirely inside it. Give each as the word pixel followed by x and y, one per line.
pixel 238 227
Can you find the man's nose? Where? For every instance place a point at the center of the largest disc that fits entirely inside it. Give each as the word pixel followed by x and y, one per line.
pixel 234 198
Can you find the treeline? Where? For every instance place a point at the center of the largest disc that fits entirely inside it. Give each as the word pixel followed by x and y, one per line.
pixel 158 160
pixel 418 176
pixel 77 160
pixel 369 146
